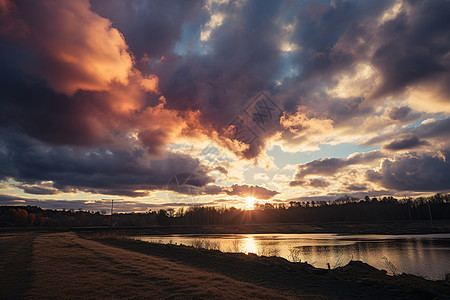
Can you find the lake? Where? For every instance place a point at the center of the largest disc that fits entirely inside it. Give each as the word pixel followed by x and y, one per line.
pixel 426 255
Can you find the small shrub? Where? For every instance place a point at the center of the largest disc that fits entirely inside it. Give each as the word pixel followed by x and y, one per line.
pixel 391 267
pixel 294 254
pixel 110 235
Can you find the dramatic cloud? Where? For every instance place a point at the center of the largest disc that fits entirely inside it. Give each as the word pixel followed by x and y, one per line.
pixel 151 28
pixel 407 142
pixel 41 189
pixel 95 170
pixel 357 187
pixel 250 191
pixel 303 131
pixel 329 166
pixel 399 113
pixel 62 35
pixel 313 182
pixel 104 97
pixel 128 97
pixel 437 131
pixel 413 47
pixel 414 172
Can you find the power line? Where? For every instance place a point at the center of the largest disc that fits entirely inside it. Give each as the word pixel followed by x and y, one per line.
pixel 112 209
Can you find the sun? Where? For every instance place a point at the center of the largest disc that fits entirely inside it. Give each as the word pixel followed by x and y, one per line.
pixel 250 203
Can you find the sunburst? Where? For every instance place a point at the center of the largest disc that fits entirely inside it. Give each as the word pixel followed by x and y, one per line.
pixel 250 203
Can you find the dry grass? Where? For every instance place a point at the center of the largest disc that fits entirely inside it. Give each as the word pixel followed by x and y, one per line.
pixel 204 243
pixel 67 266
pixel 294 253
pixel 107 235
pixel 15 256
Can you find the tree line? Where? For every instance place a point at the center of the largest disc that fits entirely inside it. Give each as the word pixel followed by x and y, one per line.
pixel 344 209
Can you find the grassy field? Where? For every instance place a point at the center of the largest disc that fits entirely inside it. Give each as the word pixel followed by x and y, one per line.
pixel 37 265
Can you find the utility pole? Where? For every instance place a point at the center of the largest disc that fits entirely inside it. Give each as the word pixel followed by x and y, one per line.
pixel 429 210
pixel 112 210
pixel 409 209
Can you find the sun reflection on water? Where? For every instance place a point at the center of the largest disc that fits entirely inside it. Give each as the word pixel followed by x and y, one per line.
pixel 249 245
pixel 420 255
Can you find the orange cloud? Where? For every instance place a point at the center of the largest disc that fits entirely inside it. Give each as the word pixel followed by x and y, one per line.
pixel 5 6
pixel 77 48
pixel 150 83
pixel 10 25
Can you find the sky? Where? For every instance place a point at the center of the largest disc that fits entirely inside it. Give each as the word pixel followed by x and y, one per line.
pixel 160 104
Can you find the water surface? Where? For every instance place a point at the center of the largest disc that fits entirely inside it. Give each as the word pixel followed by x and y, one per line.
pixel 426 255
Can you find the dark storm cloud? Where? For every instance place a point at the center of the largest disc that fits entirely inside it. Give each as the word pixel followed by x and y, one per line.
pixel 334 37
pixel 322 25
pixel 30 106
pixel 60 35
pixel 319 183
pixel 434 130
pixel 244 190
pixel 414 172
pixel 218 84
pixel 399 113
pixel 241 60
pixel 221 170
pixel 185 185
pixel 96 170
pixel 42 113
pixel 409 49
pixel 153 140
pixel 330 166
pixel 313 182
pixel 356 187
pixel 218 77
pixel 407 142
pixel 59 86
pixel 414 46
pixel 38 189
pixel 150 27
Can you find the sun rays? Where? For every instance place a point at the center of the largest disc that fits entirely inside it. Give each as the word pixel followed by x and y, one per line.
pixel 250 203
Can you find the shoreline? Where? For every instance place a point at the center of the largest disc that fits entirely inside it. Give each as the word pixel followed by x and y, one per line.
pixel 294 278
pixel 340 228
pixel 97 265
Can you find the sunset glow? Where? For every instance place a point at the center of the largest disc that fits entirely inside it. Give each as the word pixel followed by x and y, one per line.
pixel 250 203
pixel 225 149
pixel 176 104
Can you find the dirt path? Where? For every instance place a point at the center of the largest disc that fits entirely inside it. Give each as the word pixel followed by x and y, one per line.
pixel 65 265
pixel 15 258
